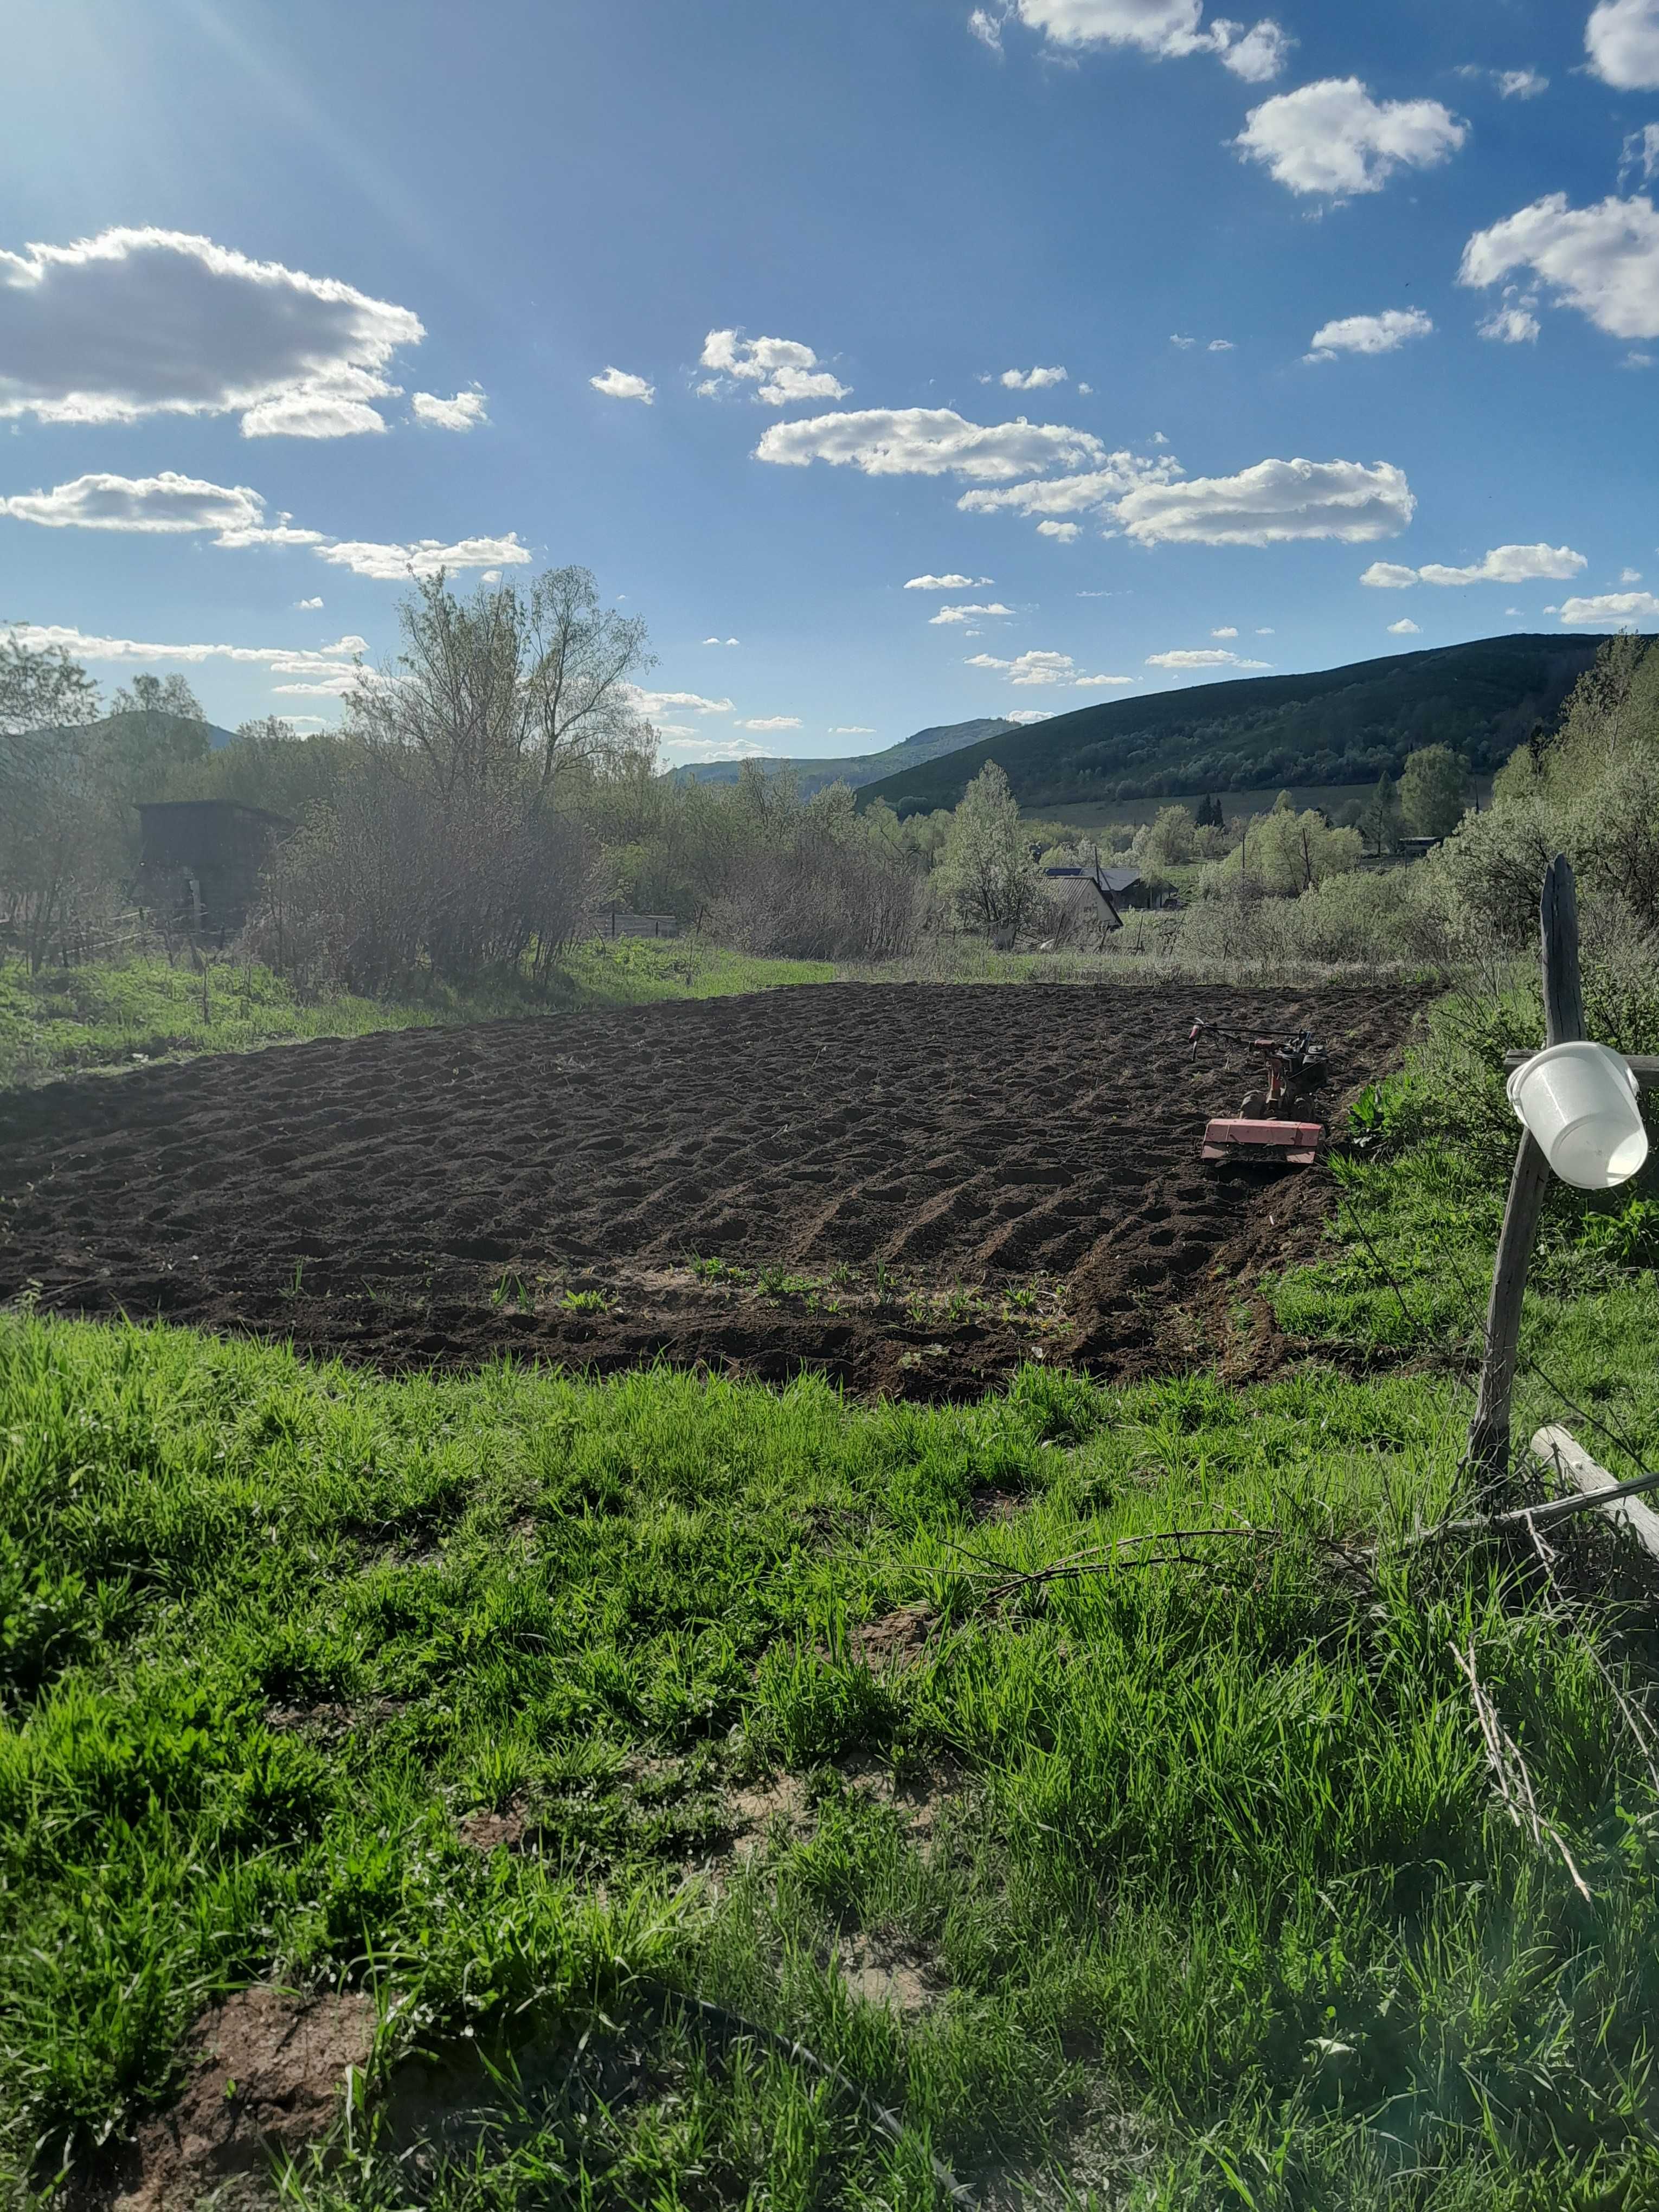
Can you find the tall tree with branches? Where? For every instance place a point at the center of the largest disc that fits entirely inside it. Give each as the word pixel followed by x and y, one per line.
pixel 507 688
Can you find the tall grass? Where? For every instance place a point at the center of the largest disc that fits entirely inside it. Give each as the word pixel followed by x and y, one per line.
pixel 1213 1903
pixel 112 1016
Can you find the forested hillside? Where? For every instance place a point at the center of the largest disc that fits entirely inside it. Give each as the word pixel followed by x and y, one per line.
pixel 1336 726
pixel 858 769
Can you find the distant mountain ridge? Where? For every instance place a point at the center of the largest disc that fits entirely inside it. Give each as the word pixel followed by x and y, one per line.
pixel 1336 726
pixel 859 770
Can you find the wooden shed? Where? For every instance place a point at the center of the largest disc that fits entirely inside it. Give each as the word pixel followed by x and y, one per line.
pixel 1085 909
pixel 202 859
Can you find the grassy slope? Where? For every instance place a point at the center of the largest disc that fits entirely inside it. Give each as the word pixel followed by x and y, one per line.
pixel 108 1016
pixel 1219 1907
pixel 1336 725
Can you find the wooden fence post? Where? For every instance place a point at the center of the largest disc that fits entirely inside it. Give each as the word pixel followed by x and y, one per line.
pixel 1488 1450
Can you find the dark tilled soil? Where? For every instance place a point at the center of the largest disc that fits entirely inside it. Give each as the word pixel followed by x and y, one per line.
pixel 439 1196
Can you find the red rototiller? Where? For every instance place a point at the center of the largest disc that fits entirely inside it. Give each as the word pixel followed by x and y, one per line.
pixel 1261 1132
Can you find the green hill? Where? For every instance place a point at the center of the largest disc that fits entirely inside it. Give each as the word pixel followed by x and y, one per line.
pixel 1337 725
pixel 812 776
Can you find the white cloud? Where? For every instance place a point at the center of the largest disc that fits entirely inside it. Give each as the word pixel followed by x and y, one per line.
pixel 1630 575
pixel 1509 84
pixel 1388 576
pixel 1505 564
pixel 490 576
pixel 1087 390
pixel 165 503
pixel 681 745
pixel 782 370
pixel 1175 339
pixel 926 442
pixel 1026 715
pixel 390 564
pixel 1603 260
pixel 1031 380
pixel 1641 152
pixel 1098 683
pixel 1031 668
pixel 1064 532
pixel 170 504
pixel 962 614
pixel 330 671
pixel 852 730
pixel 772 722
pixel 1404 627
pixel 1226 630
pixel 1166 29
pixel 1610 607
pixel 946 583
pixel 1333 138
pixel 139 322
pixel 1635 360
pixel 462 412
pixel 1220 345
pixel 1511 564
pixel 988 29
pixel 312 414
pixel 1514 323
pixel 1383 333
pixel 1273 503
pixel 307 606
pixel 1062 495
pixel 1622 40
pixel 652 704
pixel 1266 633
pixel 1202 657
pixel 620 383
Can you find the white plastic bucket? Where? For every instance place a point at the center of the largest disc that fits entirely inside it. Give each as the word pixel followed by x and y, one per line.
pixel 1580 1103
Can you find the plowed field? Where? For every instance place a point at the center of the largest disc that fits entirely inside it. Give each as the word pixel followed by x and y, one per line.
pixel 907 1187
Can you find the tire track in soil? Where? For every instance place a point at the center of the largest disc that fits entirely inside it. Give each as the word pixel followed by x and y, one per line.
pixel 366 1195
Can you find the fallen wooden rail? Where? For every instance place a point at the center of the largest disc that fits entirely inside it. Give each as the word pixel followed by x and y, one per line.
pixel 1598 1489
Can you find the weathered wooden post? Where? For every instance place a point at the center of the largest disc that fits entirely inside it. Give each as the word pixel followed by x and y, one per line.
pixel 1488 1450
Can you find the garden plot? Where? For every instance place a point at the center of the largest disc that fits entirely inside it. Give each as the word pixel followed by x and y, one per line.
pixel 909 1187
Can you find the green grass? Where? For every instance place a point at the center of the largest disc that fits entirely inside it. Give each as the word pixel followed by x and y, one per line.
pixel 109 1017
pixel 1217 1907
pixel 1408 1269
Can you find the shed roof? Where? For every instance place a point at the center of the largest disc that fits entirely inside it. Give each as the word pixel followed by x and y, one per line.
pixel 222 807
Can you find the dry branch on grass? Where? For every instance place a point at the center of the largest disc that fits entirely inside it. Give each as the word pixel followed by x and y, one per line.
pixel 1509 1771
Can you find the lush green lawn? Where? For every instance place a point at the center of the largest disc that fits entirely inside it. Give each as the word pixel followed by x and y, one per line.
pixel 106 1017
pixel 1212 1903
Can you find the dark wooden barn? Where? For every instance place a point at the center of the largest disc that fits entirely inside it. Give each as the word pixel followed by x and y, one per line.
pixel 202 859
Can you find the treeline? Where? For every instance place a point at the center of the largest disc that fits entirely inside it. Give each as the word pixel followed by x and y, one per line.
pixel 490 785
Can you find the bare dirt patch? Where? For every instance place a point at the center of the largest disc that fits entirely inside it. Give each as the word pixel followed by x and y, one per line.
pixel 898 1980
pixel 489 1830
pixel 267 2072
pixel 754 1809
pixel 909 1188
pixel 896 1640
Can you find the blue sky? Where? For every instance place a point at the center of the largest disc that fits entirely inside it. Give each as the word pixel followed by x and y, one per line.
pixel 293 294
